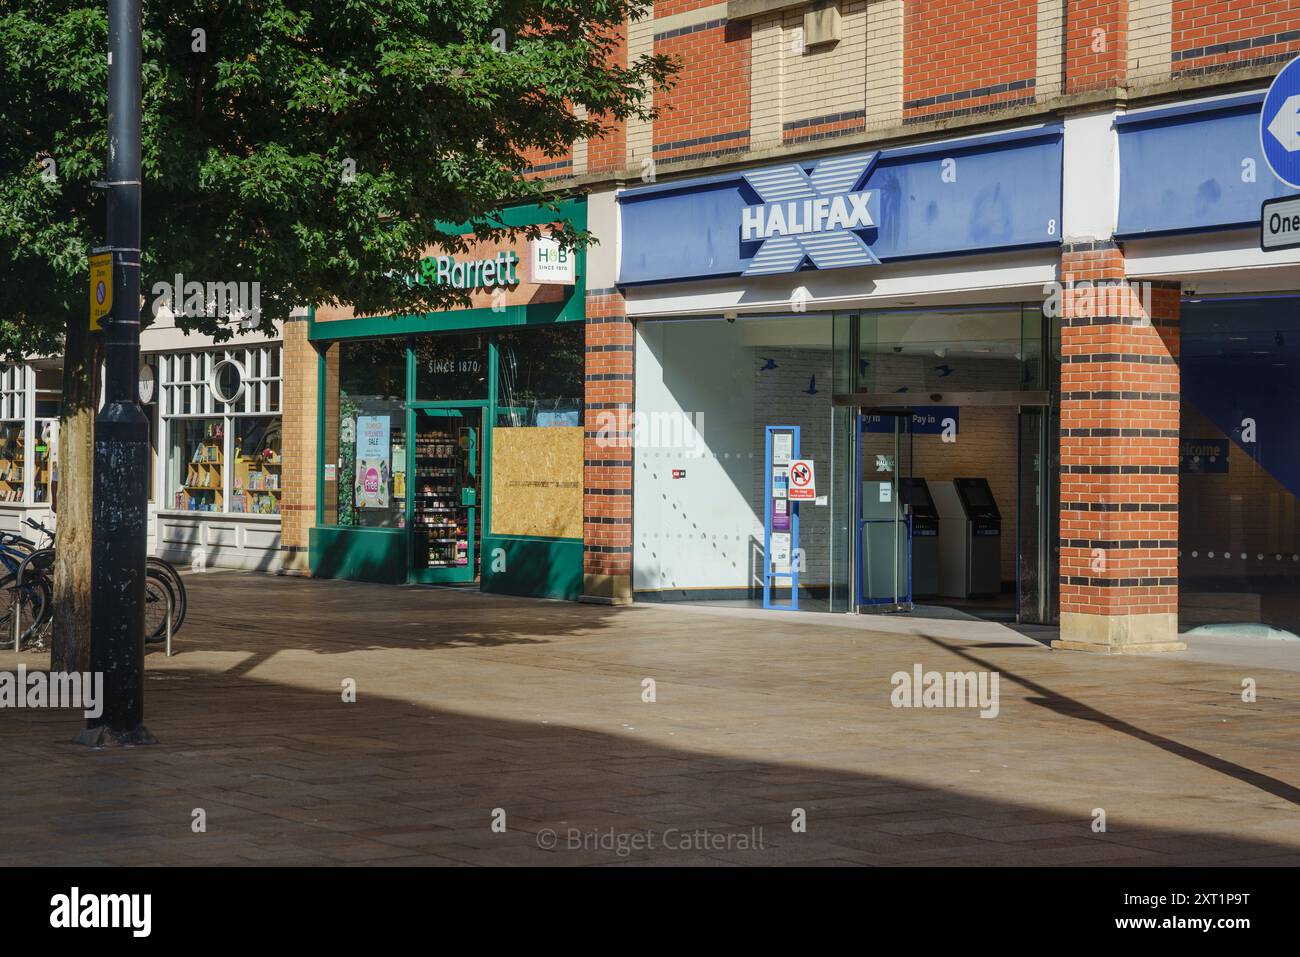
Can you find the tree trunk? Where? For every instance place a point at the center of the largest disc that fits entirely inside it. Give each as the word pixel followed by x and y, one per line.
pixel 82 361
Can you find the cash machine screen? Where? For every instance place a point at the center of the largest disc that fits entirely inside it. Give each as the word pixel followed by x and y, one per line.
pixel 978 499
pixel 916 493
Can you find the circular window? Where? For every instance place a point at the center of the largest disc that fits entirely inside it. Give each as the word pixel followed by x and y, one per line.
pixel 227 383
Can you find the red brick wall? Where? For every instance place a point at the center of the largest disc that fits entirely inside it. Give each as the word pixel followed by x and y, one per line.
pixel 967 54
pixel 667 8
pixel 298 478
pixel 607 456
pixel 707 112
pixel 1096 44
pixel 541 166
pixel 1202 27
pixel 1119 446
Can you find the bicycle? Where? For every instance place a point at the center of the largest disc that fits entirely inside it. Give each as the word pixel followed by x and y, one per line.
pixel 34 602
pixel 164 588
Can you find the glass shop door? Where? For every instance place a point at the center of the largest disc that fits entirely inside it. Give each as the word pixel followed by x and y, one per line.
pixel 884 521
pixel 445 493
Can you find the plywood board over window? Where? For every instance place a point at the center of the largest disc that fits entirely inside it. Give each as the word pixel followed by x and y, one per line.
pixel 537 482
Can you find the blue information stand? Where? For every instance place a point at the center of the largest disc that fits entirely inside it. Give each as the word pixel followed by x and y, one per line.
pixel 776 488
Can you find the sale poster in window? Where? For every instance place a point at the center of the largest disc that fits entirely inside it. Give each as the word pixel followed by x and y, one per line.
pixel 373 449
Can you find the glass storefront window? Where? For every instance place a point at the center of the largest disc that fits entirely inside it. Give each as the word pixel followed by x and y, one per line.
pixel 196 465
pixel 540 376
pixel 13 393
pixel 706 390
pixel 13 461
pixel 451 367
pixel 219 412
pixel 1239 470
pixel 998 348
pixel 369 434
pixel 255 480
pixel 44 458
pixel 48 393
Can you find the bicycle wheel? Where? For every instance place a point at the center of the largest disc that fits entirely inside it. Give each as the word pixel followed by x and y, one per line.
pixel 35 601
pixel 7 583
pixel 37 598
pixel 179 601
pixel 158 597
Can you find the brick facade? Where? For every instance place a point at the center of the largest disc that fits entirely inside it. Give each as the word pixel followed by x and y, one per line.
pixel 707 113
pixel 969 55
pixel 298 474
pixel 1096 44
pixel 1119 457
pixel 607 455
pixel 751 84
pixel 750 87
pixel 1209 36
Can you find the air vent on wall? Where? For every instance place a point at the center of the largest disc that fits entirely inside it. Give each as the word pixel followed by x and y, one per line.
pixel 821 23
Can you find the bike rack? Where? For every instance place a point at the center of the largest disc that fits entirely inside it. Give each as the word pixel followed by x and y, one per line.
pixel 18 608
pixel 18 601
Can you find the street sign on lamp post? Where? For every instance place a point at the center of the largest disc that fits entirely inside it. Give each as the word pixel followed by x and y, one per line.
pixel 121 455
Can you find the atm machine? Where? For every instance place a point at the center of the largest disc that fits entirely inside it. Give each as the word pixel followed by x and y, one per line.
pixel 970 539
pixel 915 493
pixel 884 572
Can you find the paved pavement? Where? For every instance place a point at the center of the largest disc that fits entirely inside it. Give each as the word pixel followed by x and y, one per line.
pixel 469 708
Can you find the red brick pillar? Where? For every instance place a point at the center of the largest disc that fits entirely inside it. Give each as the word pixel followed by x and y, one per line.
pixel 607 458
pixel 1096 44
pixel 1119 456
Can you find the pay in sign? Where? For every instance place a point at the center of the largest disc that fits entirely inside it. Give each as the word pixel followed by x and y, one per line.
pixel 802 483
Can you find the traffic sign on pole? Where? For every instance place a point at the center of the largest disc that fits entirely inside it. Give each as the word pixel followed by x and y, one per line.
pixel 1279 224
pixel 1279 125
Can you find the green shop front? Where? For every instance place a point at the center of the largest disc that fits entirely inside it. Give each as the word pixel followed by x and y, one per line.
pixel 450 444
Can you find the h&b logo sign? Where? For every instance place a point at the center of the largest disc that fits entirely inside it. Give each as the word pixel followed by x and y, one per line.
pixel 551 262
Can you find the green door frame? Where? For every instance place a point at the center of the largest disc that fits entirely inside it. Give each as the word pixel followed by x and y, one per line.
pixel 438 576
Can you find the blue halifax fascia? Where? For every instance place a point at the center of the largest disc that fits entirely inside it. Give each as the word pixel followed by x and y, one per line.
pixel 982 194
pixel 1190 168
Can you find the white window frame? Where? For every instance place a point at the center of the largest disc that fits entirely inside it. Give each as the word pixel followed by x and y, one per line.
pixel 261 396
pixel 18 405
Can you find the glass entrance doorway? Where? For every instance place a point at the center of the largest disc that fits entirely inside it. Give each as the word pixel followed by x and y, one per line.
pixel 954 508
pixel 955 511
pixel 884 518
pixel 446 468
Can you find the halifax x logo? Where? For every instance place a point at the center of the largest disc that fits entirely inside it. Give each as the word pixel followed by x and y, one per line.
pixel 811 215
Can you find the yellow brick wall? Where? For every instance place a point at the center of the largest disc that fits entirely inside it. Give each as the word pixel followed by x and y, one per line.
pixel 298 498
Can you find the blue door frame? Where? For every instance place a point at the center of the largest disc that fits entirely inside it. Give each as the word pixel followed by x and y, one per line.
pixel 898 599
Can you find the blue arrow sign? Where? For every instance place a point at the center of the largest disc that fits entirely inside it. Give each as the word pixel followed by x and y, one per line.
pixel 1279 125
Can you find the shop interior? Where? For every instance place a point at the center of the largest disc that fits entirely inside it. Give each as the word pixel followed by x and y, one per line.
pixel 1239 531
pixel 929 431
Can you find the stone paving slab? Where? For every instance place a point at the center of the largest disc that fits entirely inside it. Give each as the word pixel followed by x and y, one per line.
pixel 468 703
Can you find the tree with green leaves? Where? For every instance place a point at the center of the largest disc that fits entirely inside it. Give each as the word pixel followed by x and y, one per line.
pixel 316 147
